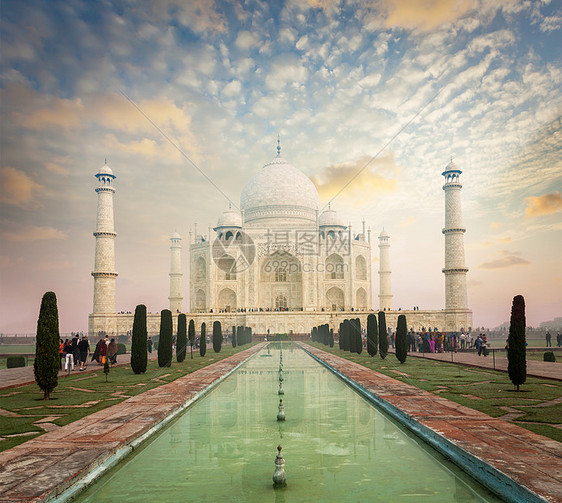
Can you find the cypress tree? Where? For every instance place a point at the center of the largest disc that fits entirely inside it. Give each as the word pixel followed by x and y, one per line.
pixel 47 356
pixel 203 340
pixel 358 337
pixel 249 335
pixel 217 336
pixel 165 352
pixel 516 351
pixel 314 334
pixel 139 351
pixel 340 337
pixel 191 335
pixel 240 336
pixel 331 337
pixel 181 342
pixel 352 336
pixel 401 342
pixel 345 337
pixel 383 335
pixel 233 336
pixel 372 335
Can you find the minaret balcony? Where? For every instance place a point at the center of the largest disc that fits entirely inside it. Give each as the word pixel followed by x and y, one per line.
pixel 105 234
pixel 104 274
pixel 457 270
pixel 451 231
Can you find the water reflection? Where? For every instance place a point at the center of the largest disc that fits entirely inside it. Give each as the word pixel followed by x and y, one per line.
pixel 337 447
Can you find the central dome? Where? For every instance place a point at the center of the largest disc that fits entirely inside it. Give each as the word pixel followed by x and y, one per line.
pixel 279 194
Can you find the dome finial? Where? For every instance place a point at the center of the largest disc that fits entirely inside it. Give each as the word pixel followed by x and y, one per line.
pixel 229 205
pixel 278 146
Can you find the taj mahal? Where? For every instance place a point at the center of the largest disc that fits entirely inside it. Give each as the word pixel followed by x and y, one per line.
pixel 281 263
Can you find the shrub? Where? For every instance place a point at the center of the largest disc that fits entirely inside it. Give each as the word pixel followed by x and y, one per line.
pixel 191 335
pixel 372 335
pixel 181 343
pixel 106 368
pixel 139 355
pixel 516 351
pixel 13 362
pixel 47 359
pixel 165 339
pixel 401 342
pixel 122 339
pixel 217 336
pixel 121 349
pixel 383 335
pixel 547 357
pixel 203 340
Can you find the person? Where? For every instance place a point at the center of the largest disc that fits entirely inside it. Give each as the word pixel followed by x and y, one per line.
pixel 103 350
pixel 548 338
pixel 478 344
pixel 61 353
pixel 463 341
pixel 75 350
pixel 68 356
pixel 559 339
pixel 112 352
pixel 84 348
pixel 96 355
pixel 149 344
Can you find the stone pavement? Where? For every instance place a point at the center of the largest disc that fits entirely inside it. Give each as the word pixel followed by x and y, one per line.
pixel 24 375
pixel 44 467
pixel 529 459
pixel 535 368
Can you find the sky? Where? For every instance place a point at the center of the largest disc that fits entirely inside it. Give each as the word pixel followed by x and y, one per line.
pixel 166 90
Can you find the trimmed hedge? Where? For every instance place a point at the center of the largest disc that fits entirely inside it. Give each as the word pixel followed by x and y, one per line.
pixel 549 356
pixel 121 349
pixel 13 362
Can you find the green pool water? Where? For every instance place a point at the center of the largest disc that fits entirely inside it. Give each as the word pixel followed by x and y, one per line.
pixel 337 447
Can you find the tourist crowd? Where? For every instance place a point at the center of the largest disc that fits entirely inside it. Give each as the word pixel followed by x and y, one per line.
pixel 77 350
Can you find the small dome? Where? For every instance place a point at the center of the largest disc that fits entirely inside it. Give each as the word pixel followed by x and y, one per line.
pixel 383 234
pixel 230 218
pixel 175 235
pixel 330 217
pixel 105 170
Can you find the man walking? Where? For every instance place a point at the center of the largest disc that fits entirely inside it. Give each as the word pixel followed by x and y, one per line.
pixel 548 338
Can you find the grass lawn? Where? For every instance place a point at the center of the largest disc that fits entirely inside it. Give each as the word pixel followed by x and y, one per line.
pixel 84 393
pixel 488 391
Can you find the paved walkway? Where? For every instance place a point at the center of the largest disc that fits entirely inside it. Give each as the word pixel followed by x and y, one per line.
pixel 44 467
pixel 535 368
pixel 529 459
pixel 24 375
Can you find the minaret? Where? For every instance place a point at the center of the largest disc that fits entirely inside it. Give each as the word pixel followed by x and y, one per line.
pixel 175 297
pixel 455 270
pixel 385 297
pixel 104 268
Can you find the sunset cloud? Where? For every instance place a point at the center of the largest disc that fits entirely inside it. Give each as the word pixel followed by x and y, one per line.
pixel 33 233
pixel 543 205
pixel 352 181
pixel 507 260
pixel 16 188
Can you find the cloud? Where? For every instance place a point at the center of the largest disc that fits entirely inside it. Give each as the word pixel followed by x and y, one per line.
pixel 543 205
pixel 56 168
pixel 246 40
pixel 353 180
pixel 406 222
pixel 507 260
pixel 16 187
pixel 33 233
pixel 427 15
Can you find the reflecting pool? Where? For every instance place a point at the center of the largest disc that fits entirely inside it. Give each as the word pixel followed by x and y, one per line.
pixel 337 447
